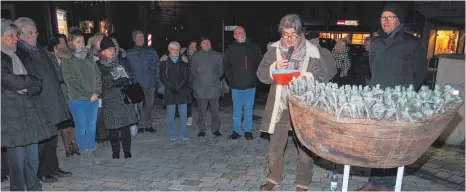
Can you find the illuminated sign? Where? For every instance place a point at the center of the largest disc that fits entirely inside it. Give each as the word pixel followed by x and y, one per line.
pixel 348 22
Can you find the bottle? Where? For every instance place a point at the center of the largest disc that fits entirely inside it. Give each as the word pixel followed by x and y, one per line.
pixel 333 181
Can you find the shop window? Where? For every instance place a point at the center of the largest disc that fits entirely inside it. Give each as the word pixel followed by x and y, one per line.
pixel 62 22
pixel 358 39
pixel 446 42
pixel 87 26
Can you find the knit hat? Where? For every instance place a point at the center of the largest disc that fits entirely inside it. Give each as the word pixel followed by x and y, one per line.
pixel 202 39
pixel 395 9
pixel 6 25
pixel 312 35
pixel 106 43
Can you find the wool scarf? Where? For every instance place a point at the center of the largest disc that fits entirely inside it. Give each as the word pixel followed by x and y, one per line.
pixel 18 67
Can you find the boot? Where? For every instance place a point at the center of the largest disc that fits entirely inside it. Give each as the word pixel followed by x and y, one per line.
pixel 74 147
pixel 66 141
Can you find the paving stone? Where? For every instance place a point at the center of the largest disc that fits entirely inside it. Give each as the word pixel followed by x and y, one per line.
pixel 213 174
pixel 443 175
pixel 191 182
pixel 207 184
pixel 456 179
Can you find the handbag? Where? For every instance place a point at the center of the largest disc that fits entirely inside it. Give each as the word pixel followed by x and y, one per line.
pixel 133 93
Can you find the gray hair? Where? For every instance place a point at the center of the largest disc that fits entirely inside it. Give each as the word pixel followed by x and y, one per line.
pixel 174 45
pixel 292 21
pixel 8 25
pixel 136 32
pixel 23 22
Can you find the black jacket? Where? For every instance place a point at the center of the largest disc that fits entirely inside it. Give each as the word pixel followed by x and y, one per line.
pixel 400 60
pixel 24 120
pixel 361 68
pixel 240 62
pixel 175 78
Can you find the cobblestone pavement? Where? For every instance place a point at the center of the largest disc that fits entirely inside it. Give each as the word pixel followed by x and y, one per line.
pixel 211 164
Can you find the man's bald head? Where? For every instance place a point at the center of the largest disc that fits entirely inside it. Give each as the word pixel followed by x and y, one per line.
pixel 239 34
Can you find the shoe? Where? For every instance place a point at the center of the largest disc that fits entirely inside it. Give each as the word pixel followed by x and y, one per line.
pixel 300 189
pixel 61 173
pixel 201 134
pixel 151 130
pixel 268 186
pixel 190 121
pixel 115 155
pixel 127 155
pixel 234 135
pixel 217 134
pixel 248 135
pixel 48 179
pixel 184 139
pixel 141 130
pixel 368 187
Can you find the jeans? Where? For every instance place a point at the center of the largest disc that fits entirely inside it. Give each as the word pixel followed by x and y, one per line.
pixel 243 100
pixel 146 108
pixel 48 160
pixel 23 163
pixel 171 120
pixel 85 119
pixel 202 110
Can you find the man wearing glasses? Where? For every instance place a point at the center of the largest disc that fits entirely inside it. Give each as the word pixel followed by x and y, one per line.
pixel 395 58
pixel 240 62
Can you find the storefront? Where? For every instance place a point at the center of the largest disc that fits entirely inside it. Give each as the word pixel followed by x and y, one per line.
pixel 356 38
pixel 446 41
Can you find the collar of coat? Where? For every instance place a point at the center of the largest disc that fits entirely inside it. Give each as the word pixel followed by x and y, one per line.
pixel 311 50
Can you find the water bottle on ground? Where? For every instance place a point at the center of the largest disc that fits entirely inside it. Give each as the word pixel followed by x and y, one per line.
pixel 333 181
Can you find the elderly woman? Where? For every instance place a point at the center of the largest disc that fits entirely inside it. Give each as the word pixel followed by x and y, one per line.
pixel 118 116
pixel 174 75
pixel 276 120
pixel 341 56
pixel 23 121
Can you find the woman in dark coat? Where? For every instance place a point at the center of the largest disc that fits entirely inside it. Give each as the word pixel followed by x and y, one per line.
pixel 118 115
pixel 23 120
pixel 174 75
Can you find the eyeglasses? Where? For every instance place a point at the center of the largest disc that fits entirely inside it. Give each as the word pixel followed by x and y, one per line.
pixel 289 36
pixel 388 18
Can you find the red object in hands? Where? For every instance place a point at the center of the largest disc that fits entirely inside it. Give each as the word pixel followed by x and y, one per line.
pixel 283 77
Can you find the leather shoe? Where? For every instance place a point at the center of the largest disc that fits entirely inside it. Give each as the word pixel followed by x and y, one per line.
pixel 217 133
pixel 61 173
pixel 248 135
pixel 201 134
pixel 235 135
pixel 268 186
pixel 127 155
pixel 48 179
pixel 151 130
pixel 141 130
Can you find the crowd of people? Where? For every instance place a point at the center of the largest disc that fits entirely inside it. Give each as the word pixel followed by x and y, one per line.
pixel 65 86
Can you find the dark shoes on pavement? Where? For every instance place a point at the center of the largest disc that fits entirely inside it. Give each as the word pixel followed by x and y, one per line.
pixel 248 135
pixel 217 134
pixel 234 135
pixel 127 155
pixel 48 179
pixel 150 129
pixel 61 173
pixel 115 155
pixel 201 134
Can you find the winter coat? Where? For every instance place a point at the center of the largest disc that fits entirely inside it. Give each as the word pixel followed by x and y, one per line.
pixel 361 68
pixel 400 60
pixel 240 63
pixel 315 65
pixel 144 66
pixel 51 98
pixel 207 68
pixel 116 112
pixel 329 61
pixel 24 120
pixel 175 78
pixel 81 76
pixel 61 54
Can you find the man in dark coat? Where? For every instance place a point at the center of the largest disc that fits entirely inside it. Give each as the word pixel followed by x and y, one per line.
pixel 207 68
pixel 240 62
pixel 51 99
pixel 395 58
pixel 361 68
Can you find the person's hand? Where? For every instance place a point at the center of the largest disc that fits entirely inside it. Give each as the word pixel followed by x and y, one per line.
pixel 283 64
pixel 94 98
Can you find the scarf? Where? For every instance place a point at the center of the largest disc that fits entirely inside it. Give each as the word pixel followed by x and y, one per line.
pixel 18 67
pixel 27 46
pixel 388 37
pixel 79 53
pixel 298 54
pixel 174 59
pixel 117 70
pixel 343 61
